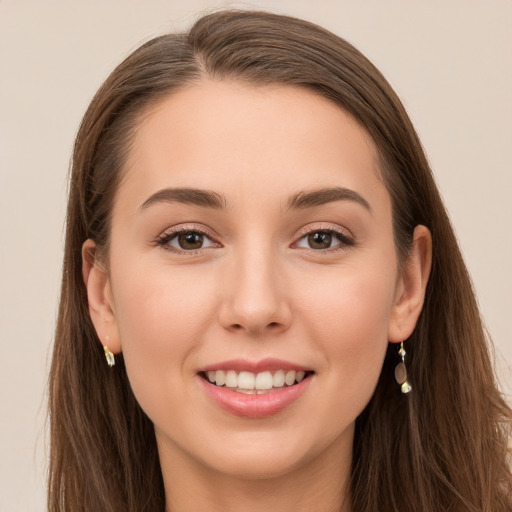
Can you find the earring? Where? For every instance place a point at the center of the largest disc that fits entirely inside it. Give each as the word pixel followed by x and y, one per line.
pixel 109 356
pixel 401 371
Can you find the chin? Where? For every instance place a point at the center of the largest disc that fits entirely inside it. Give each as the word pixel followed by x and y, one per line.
pixel 258 464
pixel 265 455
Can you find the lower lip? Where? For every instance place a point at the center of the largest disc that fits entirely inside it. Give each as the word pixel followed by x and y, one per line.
pixel 255 406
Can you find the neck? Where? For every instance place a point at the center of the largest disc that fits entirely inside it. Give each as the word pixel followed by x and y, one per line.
pixel 320 484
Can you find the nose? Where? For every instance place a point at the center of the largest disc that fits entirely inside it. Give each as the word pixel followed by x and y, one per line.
pixel 255 299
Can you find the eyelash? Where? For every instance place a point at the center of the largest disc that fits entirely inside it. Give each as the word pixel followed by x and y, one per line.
pixel 345 239
pixel 166 237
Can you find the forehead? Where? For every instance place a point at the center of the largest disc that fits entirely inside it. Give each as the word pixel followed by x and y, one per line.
pixel 240 139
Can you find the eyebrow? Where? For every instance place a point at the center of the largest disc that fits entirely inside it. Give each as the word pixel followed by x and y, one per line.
pixel 326 195
pixel 210 199
pixel 197 197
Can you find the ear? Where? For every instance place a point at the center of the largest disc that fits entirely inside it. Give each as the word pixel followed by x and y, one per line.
pixel 99 295
pixel 411 286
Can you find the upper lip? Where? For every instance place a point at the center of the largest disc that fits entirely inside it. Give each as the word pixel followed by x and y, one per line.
pixel 267 364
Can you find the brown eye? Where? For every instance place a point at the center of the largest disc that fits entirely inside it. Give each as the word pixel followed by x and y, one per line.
pixel 190 240
pixel 324 240
pixel 320 240
pixel 186 240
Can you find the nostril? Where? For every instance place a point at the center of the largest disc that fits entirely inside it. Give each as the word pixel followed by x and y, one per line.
pixel 253 326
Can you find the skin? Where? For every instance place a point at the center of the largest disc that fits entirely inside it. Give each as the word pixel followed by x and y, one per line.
pixel 255 289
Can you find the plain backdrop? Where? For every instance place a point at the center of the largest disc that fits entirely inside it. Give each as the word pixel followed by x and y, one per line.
pixel 450 62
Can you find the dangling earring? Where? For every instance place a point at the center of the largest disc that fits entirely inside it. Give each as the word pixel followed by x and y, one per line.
pixel 109 356
pixel 401 371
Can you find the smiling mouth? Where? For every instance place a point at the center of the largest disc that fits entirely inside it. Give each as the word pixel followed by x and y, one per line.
pixel 250 383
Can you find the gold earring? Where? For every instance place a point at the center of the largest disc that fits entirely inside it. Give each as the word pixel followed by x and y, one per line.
pixel 401 371
pixel 109 356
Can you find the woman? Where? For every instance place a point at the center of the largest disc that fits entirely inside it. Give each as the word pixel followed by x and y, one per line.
pixel 256 246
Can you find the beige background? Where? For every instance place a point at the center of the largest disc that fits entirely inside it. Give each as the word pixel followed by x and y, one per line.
pixel 450 61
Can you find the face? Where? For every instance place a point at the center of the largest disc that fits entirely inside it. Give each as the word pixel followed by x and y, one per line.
pixel 252 246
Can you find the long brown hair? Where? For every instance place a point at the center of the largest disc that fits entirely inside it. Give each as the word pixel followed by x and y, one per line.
pixel 442 447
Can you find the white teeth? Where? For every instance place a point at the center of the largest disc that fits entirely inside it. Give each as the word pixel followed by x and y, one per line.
pixel 264 380
pixel 278 379
pixel 290 377
pixel 231 379
pixel 245 391
pixel 220 378
pixel 248 382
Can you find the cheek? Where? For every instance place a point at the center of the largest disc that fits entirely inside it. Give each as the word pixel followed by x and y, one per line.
pixel 352 305
pixel 350 325
pixel 161 318
pixel 155 306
